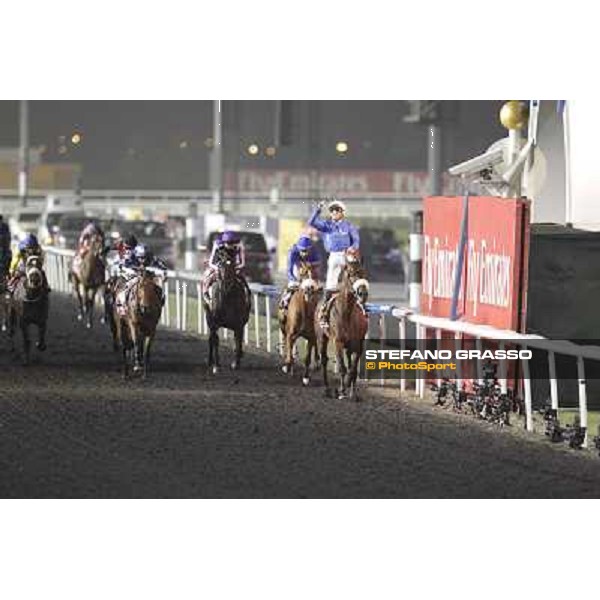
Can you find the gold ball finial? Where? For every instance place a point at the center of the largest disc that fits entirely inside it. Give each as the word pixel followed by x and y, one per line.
pixel 513 115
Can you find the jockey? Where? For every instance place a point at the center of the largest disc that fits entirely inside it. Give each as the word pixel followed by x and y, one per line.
pixel 28 246
pixel 5 251
pixel 124 248
pixel 229 241
pixel 90 231
pixel 340 235
pixel 302 251
pixel 143 257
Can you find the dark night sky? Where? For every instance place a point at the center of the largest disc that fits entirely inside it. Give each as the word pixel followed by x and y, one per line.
pixel 136 144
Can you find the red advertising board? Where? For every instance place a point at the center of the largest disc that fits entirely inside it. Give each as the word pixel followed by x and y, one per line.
pixel 494 271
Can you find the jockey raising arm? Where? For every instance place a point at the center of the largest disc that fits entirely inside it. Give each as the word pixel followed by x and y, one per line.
pixel 340 236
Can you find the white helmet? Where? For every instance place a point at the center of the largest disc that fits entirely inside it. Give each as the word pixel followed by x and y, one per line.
pixel 337 204
pixel 140 251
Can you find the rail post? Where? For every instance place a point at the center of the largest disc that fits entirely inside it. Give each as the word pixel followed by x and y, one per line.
pixel 527 394
pixel 416 261
pixel 184 307
pixel 402 334
pixel 199 306
pixel 268 318
pixel 583 420
pixel 177 305
pixel 256 321
pixel 553 381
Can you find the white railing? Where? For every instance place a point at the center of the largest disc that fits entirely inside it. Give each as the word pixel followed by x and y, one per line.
pixel 182 288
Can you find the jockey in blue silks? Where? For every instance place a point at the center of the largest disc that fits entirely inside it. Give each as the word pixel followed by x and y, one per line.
pixel 339 236
pixel 302 251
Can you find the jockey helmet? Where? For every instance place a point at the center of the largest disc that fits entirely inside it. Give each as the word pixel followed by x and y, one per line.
pixel 304 243
pixel 230 237
pixel 337 205
pixel 140 252
pixel 352 255
pixel 29 241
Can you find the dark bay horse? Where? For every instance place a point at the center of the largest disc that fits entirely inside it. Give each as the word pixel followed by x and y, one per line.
pixel 87 277
pixel 228 305
pixel 348 328
pixel 29 306
pixel 134 325
pixel 299 321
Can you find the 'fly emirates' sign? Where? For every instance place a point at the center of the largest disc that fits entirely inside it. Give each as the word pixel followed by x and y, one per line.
pixel 493 281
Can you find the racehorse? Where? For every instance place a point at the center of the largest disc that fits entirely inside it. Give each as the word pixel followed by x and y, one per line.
pixel 299 321
pixel 228 306
pixel 348 325
pixel 134 324
pixel 28 305
pixel 87 276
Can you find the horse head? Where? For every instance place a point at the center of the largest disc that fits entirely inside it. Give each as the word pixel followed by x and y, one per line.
pixel 149 298
pixel 225 265
pixel 361 290
pixel 33 272
pixel 309 288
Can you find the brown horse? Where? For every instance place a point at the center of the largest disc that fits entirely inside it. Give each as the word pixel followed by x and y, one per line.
pixel 348 328
pixel 134 325
pixel 29 306
pixel 299 321
pixel 87 277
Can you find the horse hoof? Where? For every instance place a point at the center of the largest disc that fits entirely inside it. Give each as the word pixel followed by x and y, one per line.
pixel 79 317
pixel 88 325
pixel 305 381
pixel 234 366
pixel 215 370
pixel 285 369
pixel 40 346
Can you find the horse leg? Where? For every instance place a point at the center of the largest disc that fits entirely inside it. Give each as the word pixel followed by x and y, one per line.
pixel 103 314
pixel 146 357
pixel 324 359
pixel 89 309
pixel 290 340
pixel 239 336
pixel 310 344
pixel 353 359
pixel 79 298
pixel 41 343
pixel 213 353
pixel 137 348
pixel 343 371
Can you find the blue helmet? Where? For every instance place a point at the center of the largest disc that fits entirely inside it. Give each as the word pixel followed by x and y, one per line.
pixel 29 241
pixel 230 237
pixel 304 243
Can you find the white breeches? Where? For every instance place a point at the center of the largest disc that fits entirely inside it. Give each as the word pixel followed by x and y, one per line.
pixel 334 265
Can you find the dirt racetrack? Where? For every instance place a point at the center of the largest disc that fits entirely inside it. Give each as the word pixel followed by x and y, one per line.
pixel 71 427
